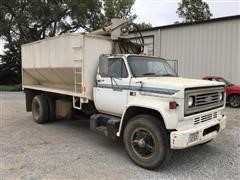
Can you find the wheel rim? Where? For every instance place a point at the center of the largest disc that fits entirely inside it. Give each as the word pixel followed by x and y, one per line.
pixel 235 101
pixel 143 143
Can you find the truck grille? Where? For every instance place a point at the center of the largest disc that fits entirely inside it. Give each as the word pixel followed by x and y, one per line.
pixel 204 99
pixel 205 118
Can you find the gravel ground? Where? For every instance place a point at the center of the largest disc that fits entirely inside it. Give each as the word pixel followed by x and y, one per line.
pixel 67 149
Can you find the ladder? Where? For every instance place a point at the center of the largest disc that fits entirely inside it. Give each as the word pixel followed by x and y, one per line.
pixel 77 88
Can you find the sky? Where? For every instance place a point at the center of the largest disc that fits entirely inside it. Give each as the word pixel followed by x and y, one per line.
pixel 163 12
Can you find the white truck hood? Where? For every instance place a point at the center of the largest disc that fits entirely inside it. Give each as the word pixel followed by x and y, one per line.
pixel 176 83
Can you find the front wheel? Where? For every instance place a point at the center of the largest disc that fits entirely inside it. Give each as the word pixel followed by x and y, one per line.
pixel 147 142
pixel 234 101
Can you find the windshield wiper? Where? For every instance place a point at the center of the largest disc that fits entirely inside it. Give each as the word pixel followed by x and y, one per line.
pixel 172 75
pixel 149 74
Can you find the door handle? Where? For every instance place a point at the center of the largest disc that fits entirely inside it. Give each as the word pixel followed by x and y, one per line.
pixel 132 93
pixel 100 80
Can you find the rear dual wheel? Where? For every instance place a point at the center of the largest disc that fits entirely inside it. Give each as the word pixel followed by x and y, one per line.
pixel 43 109
pixel 147 142
pixel 51 108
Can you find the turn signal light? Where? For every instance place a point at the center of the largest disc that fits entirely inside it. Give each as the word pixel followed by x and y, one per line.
pixel 173 105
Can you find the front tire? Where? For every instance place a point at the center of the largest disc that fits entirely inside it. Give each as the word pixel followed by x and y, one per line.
pixel 234 101
pixel 147 142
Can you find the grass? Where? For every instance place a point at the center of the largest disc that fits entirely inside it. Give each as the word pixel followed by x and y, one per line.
pixel 16 87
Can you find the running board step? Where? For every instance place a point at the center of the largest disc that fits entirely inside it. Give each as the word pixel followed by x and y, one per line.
pixel 105 124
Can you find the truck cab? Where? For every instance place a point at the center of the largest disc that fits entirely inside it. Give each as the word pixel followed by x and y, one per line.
pixel 189 110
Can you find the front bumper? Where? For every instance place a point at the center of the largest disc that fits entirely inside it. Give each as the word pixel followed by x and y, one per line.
pixel 198 135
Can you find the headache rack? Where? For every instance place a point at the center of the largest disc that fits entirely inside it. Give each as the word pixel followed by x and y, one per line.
pixel 205 99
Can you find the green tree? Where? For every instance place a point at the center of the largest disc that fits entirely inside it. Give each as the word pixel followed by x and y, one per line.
pixel 143 25
pixel 24 21
pixel 193 10
pixel 118 9
pixel 10 68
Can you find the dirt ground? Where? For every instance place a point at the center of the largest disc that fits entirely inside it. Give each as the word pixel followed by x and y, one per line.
pixel 67 149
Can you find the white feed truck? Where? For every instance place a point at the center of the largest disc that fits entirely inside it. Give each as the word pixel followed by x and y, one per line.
pixel 135 97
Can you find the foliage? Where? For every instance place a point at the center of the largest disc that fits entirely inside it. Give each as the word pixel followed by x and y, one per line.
pixel 143 25
pixel 118 9
pixel 10 67
pixel 193 10
pixel 17 87
pixel 24 21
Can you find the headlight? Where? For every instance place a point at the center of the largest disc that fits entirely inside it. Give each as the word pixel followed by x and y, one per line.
pixel 190 101
pixel 220 94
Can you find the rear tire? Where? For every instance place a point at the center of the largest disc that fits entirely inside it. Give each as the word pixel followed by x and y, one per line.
pixel 147 142
pixel 234 101
pixel 52 108
pixel 40 109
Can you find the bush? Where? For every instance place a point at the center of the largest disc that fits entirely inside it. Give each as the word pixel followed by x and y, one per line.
pixel 16 87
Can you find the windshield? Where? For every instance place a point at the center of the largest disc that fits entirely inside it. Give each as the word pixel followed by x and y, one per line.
pixel 149 66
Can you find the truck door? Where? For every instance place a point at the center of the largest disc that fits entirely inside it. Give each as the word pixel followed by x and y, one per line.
pixel 111 91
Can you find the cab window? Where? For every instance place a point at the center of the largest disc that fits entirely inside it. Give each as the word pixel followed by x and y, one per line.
pixel 117 68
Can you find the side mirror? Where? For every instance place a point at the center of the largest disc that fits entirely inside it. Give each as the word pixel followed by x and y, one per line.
pixel 103 65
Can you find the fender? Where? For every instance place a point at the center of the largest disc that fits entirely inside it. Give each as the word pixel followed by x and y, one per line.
pixel 234 92
pixel 170 117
